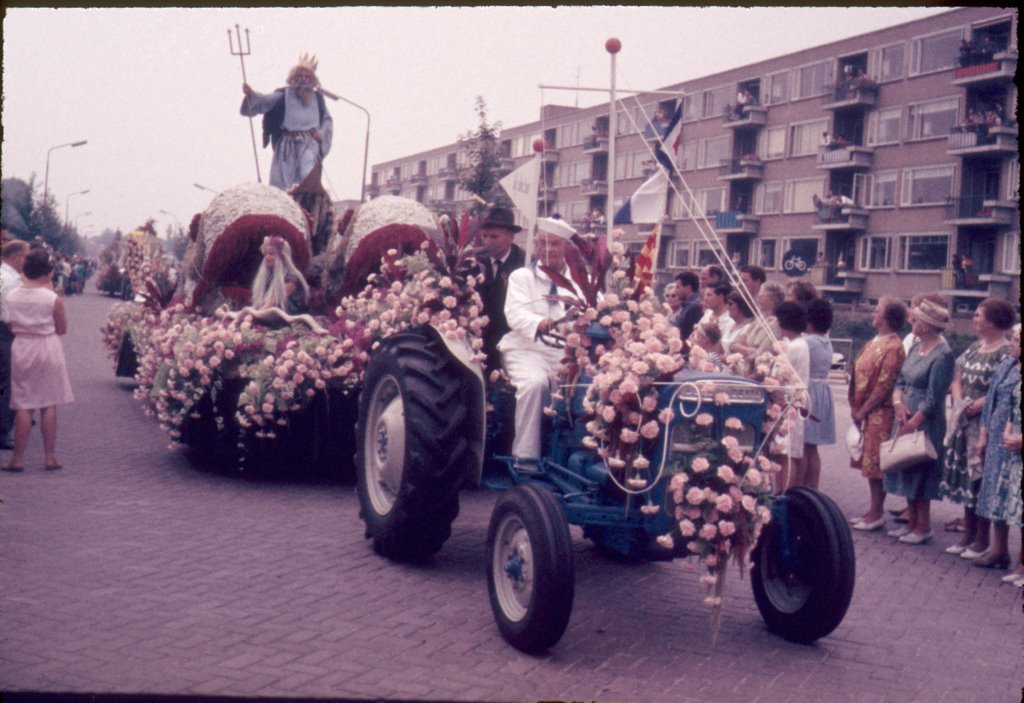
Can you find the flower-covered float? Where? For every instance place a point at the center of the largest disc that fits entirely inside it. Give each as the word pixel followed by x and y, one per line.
pixel 277 389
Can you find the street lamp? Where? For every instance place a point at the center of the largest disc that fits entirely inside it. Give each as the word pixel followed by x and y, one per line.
pixel 67 203
pixel 177 224
pixel 366 145
pixel 200 186
pixel 46 178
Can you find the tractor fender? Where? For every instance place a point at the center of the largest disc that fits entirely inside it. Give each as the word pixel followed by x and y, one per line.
pixel 461 351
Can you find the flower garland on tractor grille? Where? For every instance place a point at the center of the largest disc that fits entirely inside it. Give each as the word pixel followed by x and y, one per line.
pixel 718 494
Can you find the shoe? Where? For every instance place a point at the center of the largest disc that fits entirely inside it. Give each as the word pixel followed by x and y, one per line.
pixel 13 468
pixel 855 519
pixel 899 532
pixel 970 554
pixel 914 538
pixel 1019 583
pixel 1012 576
pixel 870 526
pixel 991 561
pixel 955 549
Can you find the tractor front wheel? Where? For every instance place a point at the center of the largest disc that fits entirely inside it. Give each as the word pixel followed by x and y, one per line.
pixel 530 572
pixel 804 567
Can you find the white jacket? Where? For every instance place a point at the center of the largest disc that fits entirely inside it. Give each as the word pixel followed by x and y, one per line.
pixel 526 305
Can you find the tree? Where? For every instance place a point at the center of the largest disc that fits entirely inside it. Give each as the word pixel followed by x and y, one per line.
pixel 27 219
pixel 480 151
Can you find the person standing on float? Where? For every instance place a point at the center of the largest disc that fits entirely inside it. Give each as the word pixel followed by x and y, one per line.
pixel 296 122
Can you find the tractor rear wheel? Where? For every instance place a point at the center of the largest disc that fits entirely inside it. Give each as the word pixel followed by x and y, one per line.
pixel 417 442
pixel 530 573
pixel 804 568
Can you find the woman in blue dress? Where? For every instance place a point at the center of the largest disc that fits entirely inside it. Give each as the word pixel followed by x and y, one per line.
pixel 920 401
pixel 999 442
pixel 820 426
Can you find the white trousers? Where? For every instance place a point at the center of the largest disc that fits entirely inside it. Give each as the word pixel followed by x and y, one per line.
pixel 529 371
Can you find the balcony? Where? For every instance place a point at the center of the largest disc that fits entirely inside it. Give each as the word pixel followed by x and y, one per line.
pixel 966 296
pixel 745 169
pixel 394 185
pixel 752 116
pixel 1001 68
pixel 596 144
pixel 448 173
pixel 549 155
pixel 842 284
pixel 593 186
pixel 373 190
pixel 736 222
pixel 979 210
pixel 998 140
pixel 857 93
pixel 847 218
pixel 418 179
pixel 846 158
pixel 748 116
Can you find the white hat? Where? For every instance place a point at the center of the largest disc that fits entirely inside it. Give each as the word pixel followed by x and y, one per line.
pixel 559 228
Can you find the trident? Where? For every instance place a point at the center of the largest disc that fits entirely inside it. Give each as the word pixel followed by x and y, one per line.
pixel 241 54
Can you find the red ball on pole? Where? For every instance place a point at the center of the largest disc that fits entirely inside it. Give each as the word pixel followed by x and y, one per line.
pixel 538 144
pixel 613 46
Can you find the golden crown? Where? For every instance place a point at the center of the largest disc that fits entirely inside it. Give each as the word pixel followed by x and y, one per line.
pixel 307 61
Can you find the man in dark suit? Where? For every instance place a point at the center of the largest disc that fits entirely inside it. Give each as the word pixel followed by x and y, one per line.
pixel 498 231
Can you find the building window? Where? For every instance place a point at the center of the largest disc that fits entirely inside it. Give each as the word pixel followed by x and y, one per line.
pixel 930 185
pixel 776 88
pixel 929 252
pixel 936 52
pixel 875 190
pixel 800 195
pixel 812 80
pixel 1013 180
pixel 804 138
pixel 688 115
pixel 630 165
pixel 679 255
pixel 575 210
pixel 681 205
pixel 712 152
pixel 710 201
pixel 932 119
pixel 1011 252
pixel 773 143
pixel 688 156
pixel 887 63
pixel 715 101
pixel 884 126
pixel 768 198
pixel 703 254
pixel 765 251
pixel 875 254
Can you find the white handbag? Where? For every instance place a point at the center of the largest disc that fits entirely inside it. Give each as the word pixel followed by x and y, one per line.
pixel 906 450
pixel 855 442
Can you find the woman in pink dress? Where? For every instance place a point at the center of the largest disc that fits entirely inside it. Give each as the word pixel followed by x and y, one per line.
pixel 39 378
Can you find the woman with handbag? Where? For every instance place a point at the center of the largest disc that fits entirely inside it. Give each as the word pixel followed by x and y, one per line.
pixel 920 403
pixel 870 394
pixel 999 443
pixel 961 468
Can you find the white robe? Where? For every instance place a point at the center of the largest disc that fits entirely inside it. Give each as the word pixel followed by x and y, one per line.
pixel 529 362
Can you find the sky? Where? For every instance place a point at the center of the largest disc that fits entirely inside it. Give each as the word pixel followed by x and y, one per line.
pixel 156 92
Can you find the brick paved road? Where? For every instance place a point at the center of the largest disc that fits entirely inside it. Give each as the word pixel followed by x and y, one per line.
pixel 134 570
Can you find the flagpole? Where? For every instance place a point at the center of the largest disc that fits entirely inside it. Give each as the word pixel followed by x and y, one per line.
pixel 612 46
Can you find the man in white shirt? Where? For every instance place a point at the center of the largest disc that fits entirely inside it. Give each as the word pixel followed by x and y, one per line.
pixel 714 308
pixel 12 256
pixel 532 311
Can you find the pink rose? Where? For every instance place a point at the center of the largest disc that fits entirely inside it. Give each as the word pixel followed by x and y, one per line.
pixel 704 419
pixel 695 496
pixel 708 531
pixel 687 528
pixel 700 464
pixel 726 473
pixel 650 430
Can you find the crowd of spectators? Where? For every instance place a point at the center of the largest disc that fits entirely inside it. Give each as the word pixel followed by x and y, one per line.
pixel 975 54
pixel 901 386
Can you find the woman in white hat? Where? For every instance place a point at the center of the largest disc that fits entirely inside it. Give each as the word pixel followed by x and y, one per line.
pixel 920 402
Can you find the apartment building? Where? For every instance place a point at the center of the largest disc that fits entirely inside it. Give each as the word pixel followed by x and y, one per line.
pixel 912 129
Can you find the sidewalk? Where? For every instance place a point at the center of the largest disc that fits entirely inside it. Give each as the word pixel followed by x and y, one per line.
pixel 133 570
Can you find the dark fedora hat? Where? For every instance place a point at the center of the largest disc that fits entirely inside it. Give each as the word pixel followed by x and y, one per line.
pixel 503 218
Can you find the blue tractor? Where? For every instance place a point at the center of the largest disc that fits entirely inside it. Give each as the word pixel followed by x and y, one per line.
pixel 421 436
